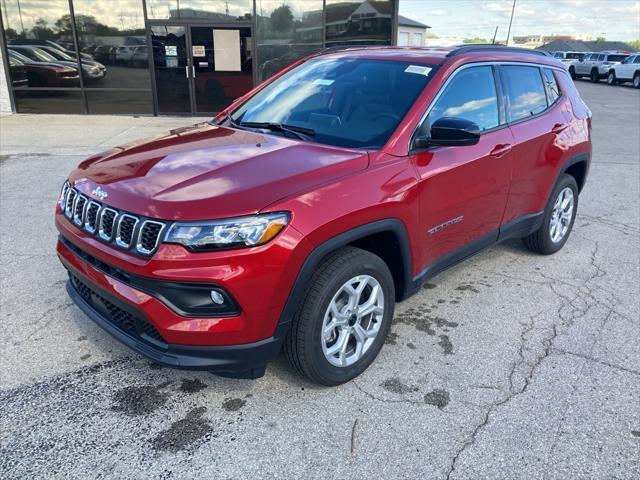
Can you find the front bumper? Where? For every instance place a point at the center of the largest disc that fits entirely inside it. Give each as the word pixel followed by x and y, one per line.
pixel 240 361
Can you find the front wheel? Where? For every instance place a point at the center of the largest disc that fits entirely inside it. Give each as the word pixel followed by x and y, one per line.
pixel 572 72
pixel 559 216
pixel 636 80
pixel 611 78
pixel 344 318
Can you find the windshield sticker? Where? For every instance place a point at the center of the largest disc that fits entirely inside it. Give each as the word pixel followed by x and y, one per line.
pixel 419 69
pixel 323 82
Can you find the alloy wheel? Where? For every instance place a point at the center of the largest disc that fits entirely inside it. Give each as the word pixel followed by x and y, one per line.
pixel 352 320
pixel 561 215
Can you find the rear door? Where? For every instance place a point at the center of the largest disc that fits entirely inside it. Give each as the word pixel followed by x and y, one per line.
pixel 537 114
pixel 463 190
pixel 584 67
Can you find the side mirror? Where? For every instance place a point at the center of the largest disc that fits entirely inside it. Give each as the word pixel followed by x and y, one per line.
pixel 449 132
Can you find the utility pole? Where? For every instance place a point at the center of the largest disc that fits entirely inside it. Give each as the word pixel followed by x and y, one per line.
pixel 513 9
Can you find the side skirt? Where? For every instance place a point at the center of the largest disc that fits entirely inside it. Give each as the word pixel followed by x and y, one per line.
pixel 517 229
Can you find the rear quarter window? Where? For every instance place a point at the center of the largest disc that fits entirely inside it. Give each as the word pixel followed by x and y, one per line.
pixel 551 86
pixel 524 91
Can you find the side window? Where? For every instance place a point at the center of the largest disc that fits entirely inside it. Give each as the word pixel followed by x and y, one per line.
pixel 551 86
pixel 601 57
pixel 471 95
pixel 637 60
pixel 525 92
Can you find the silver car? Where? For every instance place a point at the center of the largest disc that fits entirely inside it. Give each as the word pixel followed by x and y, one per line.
pixel 596 65
pixel 626 71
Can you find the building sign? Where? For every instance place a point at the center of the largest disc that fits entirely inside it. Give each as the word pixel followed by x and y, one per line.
pixel 226 50
pixel 198 50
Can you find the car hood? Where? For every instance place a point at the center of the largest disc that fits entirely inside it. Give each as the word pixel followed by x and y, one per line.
pixel 208 172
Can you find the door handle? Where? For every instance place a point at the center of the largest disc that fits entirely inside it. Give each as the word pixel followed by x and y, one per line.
pixel 559 127
pixel 500 150
pixel 193 71
pixel 186 71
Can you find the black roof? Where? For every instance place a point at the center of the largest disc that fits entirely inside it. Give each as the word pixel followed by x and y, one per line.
pixel 407 22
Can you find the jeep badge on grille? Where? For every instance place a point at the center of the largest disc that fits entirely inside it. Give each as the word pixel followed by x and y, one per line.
pixel 101 194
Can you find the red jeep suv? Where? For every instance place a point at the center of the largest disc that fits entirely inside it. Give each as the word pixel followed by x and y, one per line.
pixel 306 209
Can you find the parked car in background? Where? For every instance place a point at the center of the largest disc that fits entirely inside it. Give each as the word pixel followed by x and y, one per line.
pixel 94 69
pixel 307 208
pixel 595 65
pixel 49 43
pixel 568 57
pixel 90 71
pixel 44 74
pixel 628 70
pixel 19 76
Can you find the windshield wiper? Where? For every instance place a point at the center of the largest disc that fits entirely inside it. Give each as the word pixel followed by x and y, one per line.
pixel 299 132
pixel 227 118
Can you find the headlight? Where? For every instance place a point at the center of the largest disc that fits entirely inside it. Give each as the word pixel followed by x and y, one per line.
pixel 230 233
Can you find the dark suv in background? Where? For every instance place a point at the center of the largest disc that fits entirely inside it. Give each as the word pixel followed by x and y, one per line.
pixel 305 210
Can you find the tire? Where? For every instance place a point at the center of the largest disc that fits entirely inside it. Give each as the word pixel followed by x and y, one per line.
pixel 611 78
pixel 572 72
pixel 541 241
pixel 636 80
pixel 594 76
pixel 308 349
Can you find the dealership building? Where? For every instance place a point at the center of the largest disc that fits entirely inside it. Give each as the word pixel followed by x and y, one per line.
pixel 168 57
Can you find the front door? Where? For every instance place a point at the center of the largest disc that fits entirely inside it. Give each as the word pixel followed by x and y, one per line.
pixel 463 190
pixel 200 69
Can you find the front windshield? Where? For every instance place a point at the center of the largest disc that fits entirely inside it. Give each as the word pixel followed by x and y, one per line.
pixel 354 103
pixel 19 56
pixel 41 55
pixel 58 54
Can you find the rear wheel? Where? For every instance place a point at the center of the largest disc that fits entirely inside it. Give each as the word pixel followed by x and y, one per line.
pixel 636 80
pixel 344 318
pixel 572 72
pixel 611 78
pixel 558 218
pixel 595 75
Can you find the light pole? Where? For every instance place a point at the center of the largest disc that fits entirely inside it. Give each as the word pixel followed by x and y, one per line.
pixel 513 9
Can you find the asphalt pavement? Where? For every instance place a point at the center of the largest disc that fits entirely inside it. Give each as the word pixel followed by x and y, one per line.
pixel 510 365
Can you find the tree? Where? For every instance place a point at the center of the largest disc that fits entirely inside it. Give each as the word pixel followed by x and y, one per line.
pixel 42 31
pixel 635 44
pixel 282 19
pixel 475 40
pixel 600 39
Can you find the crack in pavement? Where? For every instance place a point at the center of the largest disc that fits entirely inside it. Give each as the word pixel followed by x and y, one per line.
pixel 570 310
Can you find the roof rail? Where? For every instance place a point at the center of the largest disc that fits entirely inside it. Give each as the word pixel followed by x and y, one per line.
pixel 489 47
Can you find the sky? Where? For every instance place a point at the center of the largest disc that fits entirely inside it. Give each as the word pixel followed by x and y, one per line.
pixel 612 19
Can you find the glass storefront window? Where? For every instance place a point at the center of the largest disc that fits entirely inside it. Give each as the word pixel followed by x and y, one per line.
pixel 115 102
pixel 32 30
pixel 287 31
pixel 46 101
pixel 358 22
pixel 112 36
pixel 216 11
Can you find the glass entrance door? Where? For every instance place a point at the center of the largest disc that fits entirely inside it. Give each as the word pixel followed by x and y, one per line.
pixel 222 66
pixel 201 69
pixel 171 65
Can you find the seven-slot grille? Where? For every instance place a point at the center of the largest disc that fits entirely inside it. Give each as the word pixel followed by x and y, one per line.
pixel 123 229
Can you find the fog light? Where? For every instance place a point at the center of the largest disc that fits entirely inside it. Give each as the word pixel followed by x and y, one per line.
pixel 217 297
